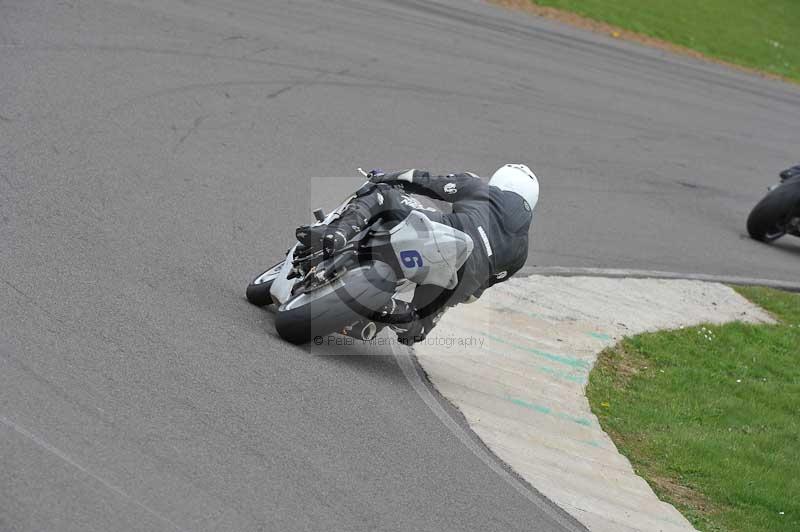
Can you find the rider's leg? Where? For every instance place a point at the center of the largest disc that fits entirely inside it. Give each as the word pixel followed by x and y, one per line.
pixel 370 202
pixel 359 213
pixel 392 205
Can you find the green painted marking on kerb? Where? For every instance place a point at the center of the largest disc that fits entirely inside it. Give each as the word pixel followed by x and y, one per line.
pixel 580 379
pixel 579 420
pixel 569 361
pixel 599 336
pixel 539 408
pixel 547 410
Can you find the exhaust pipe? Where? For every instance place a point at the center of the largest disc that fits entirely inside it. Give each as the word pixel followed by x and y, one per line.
pixel 361 330
pixel 369 331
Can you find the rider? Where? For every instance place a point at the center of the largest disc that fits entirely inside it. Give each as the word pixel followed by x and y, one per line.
pixel 497 216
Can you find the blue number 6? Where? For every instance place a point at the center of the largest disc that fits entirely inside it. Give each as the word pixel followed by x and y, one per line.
pixel 411 258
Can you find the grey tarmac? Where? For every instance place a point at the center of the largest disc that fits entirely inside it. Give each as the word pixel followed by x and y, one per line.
pixel 157 154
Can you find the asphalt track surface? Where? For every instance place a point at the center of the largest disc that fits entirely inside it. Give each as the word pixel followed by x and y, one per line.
pixel 155 154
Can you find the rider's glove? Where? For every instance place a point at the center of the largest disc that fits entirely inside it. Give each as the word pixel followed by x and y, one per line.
pixel 312 237
pixel 375 173
pixel 379 176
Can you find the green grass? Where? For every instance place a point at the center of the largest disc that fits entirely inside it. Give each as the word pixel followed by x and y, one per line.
pixel 761 34
pixel 710 416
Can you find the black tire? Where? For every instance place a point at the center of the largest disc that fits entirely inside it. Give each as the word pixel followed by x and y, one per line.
pixel 358 293
pixel 258 290
pixel 768 219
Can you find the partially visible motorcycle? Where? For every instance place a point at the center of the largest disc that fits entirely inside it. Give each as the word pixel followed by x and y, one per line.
pixel 350 293
pixel 778 213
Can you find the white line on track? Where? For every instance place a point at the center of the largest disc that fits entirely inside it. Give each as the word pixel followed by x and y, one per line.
pixel 413 376
pixel 48 447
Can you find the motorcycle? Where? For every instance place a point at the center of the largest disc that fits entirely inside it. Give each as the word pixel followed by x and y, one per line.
pixel 349 293
pixel 778 213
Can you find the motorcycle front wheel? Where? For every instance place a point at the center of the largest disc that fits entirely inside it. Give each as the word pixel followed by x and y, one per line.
pixel 258 290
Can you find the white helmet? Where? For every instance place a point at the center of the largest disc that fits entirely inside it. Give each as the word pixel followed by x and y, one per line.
pixel 517 178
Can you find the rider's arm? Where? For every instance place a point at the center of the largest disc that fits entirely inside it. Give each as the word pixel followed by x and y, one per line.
pixel 450 188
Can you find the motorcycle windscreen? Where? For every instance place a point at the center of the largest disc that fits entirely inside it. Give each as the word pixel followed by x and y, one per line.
pixel 430 252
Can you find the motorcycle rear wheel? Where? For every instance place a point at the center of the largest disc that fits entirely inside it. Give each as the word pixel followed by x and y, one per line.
pixel 357 294
pixel 768 220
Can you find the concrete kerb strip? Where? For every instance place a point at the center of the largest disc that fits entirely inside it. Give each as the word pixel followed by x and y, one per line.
pixel 621 273
pixel 515 364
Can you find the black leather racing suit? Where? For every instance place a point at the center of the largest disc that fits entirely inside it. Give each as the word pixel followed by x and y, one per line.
pixel 498 222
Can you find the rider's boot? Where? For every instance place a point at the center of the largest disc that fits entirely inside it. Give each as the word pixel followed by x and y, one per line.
pixel 338 232
pixel 352 221
pixel 397 311
pixel 310 236
pixel 397 314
